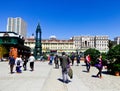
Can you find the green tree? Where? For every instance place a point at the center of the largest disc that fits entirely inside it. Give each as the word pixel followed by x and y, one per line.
pixel 111 44
pixel 104 58
pixel 114 53
pixel 114 56
pixel 94 54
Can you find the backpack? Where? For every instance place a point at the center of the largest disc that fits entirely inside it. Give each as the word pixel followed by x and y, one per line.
pixel 18 62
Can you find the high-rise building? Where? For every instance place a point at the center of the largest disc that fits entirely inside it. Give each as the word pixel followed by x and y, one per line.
pixel 17 25
pixel 117 40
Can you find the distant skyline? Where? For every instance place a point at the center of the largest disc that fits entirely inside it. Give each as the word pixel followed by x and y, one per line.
pixel 65 18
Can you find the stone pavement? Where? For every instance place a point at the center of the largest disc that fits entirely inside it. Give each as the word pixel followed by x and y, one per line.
pixel 46 78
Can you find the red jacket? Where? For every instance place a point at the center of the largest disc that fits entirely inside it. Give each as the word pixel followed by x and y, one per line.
pixel 88 58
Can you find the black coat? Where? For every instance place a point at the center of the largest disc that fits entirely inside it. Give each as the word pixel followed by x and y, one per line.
pixel 64 61
pixel 11 61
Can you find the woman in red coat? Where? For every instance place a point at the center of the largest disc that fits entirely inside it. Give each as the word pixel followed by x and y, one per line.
pixel 88 59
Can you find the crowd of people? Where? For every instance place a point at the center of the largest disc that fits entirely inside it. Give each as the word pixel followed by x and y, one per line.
pixel 98 65
pixel 64 61
pixel 20 62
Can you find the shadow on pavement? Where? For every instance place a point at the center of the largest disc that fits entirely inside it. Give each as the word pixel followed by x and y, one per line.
pixel 85 71
pixel 61 80
pixel 83 64
pixel 106 73
pixel 94 76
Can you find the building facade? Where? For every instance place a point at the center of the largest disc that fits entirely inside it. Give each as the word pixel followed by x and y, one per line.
pixel 52 45
pixel 55 45
pixel 85 42
pixel 101 43
pixel 76 44
pixel 117 40
pixel 12 44
pixel 17 25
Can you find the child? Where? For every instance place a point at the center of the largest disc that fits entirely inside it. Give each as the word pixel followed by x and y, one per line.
pixel 18 63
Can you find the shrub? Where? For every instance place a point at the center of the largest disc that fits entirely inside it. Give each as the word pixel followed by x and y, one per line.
pixel 116 67
pixel 94 54
pixel 114 55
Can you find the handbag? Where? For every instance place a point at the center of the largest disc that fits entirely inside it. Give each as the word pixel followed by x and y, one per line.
pixel 70 73
pixel 98 66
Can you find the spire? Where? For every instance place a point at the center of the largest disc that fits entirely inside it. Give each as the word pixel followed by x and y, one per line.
pixel 38 28
pixel 38 44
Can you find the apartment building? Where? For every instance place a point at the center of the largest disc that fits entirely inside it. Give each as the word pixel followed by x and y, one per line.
pixel 117 40
pixel 17 25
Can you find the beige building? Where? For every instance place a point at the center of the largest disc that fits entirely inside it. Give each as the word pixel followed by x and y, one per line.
pixel 52 45
pixel 77 43
pixel 85 42
pixel 101 43
pixel 17 25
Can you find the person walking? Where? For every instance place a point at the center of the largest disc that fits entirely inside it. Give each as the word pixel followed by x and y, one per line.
pixel 18 63
pixel 25 60
pixel 31 59
pixel 65 67
pixel 88 59
pixel 11 63
pixel 99 66
pixel 78 59
pixel 72 58
pixel 56 61
pixel 51 59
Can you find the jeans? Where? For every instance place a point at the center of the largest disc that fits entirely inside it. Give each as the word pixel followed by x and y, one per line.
pixel 18 69
pixel 32 66
pixel 65 74
pixel 11 68
pixel 88 66
pixel 99 72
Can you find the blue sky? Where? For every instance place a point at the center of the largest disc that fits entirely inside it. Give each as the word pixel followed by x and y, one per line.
pixel 65 18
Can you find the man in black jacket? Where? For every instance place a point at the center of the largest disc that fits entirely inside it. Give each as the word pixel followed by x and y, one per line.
pixel 11 63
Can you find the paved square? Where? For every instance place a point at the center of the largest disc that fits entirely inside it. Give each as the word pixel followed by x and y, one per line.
pixel 46 78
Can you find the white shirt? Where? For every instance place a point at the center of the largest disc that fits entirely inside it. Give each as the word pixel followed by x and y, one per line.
pixel 31 59
pixel 21 62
